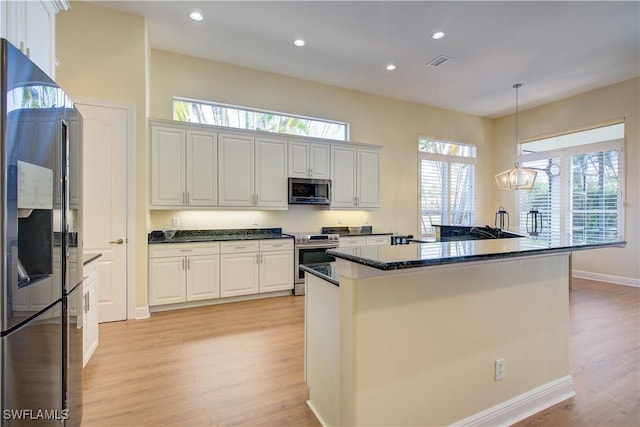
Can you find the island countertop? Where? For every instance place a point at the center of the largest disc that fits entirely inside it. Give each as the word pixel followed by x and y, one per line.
pixel 438 253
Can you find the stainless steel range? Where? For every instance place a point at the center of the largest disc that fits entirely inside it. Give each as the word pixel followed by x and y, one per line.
pixel 310 249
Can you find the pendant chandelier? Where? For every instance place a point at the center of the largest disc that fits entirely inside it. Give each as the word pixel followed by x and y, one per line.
pixel 518 177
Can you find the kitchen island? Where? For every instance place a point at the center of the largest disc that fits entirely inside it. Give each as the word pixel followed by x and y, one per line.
pixel 412 334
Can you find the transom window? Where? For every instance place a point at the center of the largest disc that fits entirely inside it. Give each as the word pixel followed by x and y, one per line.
pixel 579 187
pixel 447 176
pixel 210 113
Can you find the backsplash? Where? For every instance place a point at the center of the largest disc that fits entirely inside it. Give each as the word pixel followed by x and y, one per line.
pixel 295 219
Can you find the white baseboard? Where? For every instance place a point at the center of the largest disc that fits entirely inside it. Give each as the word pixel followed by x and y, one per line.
pixel 618 280
pixel 142 313
pixel 523 406
pixel 317 414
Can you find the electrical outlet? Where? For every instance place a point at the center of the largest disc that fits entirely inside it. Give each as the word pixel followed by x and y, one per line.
pixel 175 221
pixel 254 221
pixel 499 371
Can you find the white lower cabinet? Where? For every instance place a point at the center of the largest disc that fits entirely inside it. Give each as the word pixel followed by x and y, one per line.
pixel 89 311
pixel 251 267
pixel 239 268
pixel 183 272
pixel 379 240
pixel 353 241
pixel 276 265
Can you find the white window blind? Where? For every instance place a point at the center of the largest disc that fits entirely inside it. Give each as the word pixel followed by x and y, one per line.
pixel 584 203
pixel 447 184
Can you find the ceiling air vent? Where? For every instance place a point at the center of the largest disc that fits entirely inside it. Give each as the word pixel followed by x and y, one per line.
pixel 438 60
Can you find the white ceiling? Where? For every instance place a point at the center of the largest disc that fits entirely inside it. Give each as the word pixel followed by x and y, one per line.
pixel 556 49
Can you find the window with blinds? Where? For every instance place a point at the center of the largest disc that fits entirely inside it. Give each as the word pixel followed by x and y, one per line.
pixel 584 201
pixel 447 174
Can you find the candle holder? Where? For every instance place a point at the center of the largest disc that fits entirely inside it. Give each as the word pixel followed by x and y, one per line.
pixel 534 222
pixel 501 216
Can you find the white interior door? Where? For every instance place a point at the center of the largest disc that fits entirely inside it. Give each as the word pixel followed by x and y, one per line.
pixel 105 203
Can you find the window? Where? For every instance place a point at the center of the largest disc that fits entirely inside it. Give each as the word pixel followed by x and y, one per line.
pixel 187 110
pixel 447 174
pixel 584 200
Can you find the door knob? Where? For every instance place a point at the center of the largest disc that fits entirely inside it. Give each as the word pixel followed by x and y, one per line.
pixel 117 242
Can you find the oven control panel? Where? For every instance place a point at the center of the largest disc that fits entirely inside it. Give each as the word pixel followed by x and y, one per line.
pixel 317 238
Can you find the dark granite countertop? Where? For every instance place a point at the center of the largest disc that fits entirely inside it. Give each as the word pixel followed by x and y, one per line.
pixel 365 230
pixel 87 258
pixel 438 253
pixel 324 270
pixel 190 236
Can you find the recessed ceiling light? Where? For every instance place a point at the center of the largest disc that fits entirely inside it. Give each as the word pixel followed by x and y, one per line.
pixel 299 42
pixel 437 35
pixel 391 67
pixel 196 16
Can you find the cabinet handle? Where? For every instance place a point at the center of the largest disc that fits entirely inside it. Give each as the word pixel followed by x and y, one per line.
pixel 240 247
pixel 276 246
pixel 188 264
pixel 22 47
pixel 186 250
pixel 257 258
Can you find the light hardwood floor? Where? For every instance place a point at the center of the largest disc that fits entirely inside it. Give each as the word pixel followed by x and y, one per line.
pixel 241 364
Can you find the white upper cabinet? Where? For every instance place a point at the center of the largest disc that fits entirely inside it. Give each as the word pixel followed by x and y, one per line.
pixel 202 168
pixel 184 168
pixel 355 175
pixel 31 27
pixel 271 173
pixel 168 150
pixel 309 160
pixel 368 179
pixel 343 177
pixel 236 184
pixel 253 172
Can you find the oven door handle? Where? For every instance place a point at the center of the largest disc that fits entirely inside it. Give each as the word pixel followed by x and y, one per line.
pixel 319 246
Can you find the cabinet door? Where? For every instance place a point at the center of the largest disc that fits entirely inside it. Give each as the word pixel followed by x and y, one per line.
pixel 343 176
pixel 239 274
pixel 167 166
pixel 236 173
pixel 271 173
pixel 299 160
pixel 319 161
pixel 167 280
pixel 39 35
pixel 202 169
pixel 350 242
pixel 378 240
pixel 203 277
pixel 276 271
pixel 90 318
pixel 368 179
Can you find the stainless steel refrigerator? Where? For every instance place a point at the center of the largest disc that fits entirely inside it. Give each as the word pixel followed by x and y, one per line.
pixel 40 247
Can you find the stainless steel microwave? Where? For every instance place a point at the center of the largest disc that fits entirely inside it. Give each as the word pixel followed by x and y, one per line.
pixel 305 191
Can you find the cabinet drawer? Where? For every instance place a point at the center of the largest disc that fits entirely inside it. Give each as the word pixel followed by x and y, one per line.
pixel 239 246
pixel 276 245
pixel 378 240
pixel 90 271
pixel 183 249
pixel 346 242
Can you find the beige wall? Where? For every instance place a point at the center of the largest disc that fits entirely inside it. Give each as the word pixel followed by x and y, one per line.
pixel 103 55
pixel 618 101
pixel 375 120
